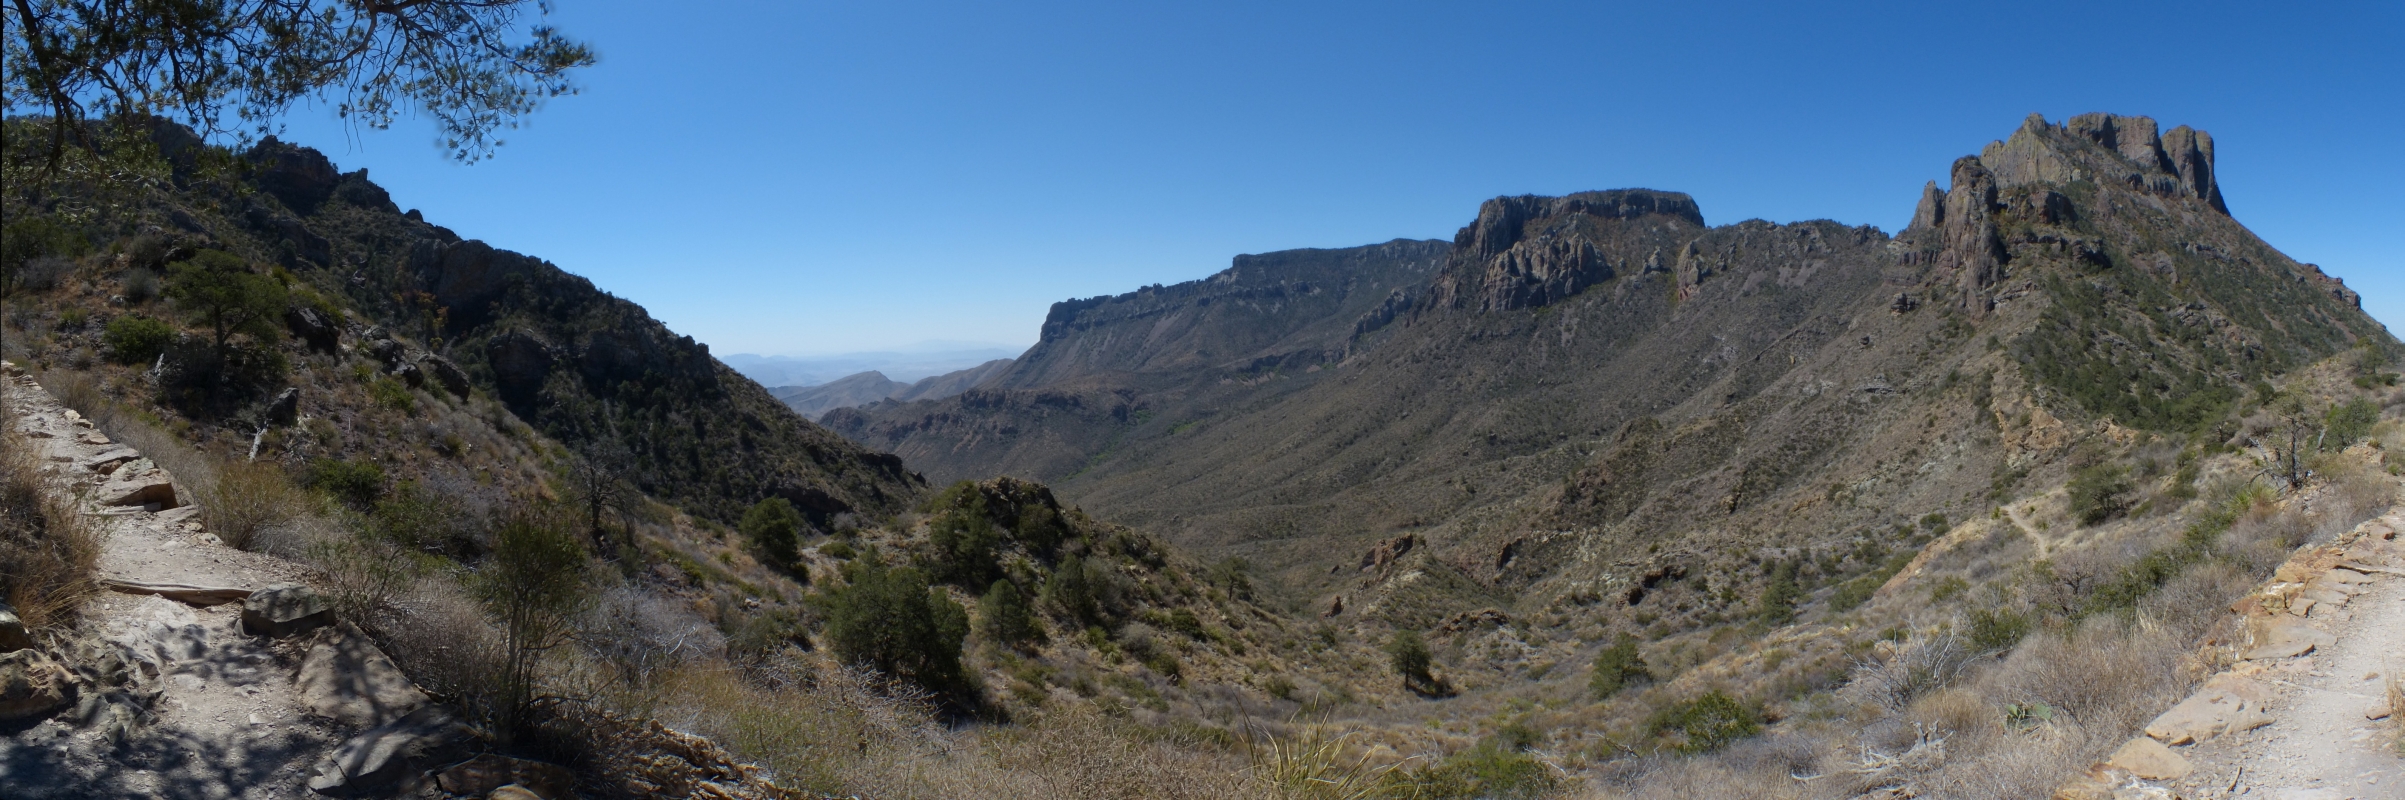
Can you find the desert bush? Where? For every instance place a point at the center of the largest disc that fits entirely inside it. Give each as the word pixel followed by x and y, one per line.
pixel 392 394
pixel 774 530
pixel 891 621
pixel 48 550
pixel 2107 674
pixel 139 285
pixel 1316 763
pixel 358 484
pixel 362 576
pixel 1777 606
pixel 1081 590
pixel 42 273
pixel 136 339
pixel 2099 493
pixel 1704 723
pixel 639 635
pixel 1917 666
pixel 1995 630
pixel 533 586
pixel 246 497
pixel 1491 770
pixel 1618 667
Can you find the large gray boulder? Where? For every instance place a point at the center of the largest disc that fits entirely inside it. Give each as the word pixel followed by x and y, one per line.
pixel 285 609
pixel 380 757
pixel 346 679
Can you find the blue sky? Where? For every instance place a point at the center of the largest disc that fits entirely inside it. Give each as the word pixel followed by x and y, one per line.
pixel 809 177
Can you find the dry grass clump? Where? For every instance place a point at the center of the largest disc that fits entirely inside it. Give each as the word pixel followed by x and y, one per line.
pixel 247 497
pixel 48 550
pixel 830 729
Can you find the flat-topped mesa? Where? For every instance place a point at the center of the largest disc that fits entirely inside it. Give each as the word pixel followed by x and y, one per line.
pixel 1532 250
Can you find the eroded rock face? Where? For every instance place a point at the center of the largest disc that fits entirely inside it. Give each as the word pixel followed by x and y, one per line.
pixel 520 364
pixel 1530 251
pixel 1973 251
pixel 301 177
pixel 285 609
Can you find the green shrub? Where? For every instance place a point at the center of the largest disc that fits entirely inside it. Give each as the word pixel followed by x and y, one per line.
pixel 839 551
pixel 1707 723
pixel 2100 493
pixel 1005 617
pixel 359 484
pixel 136 339
pixel 220 290
pixel 774 530
pixel 1618 667
pixel 1779 599
pixel 963 539
pixel 1408 653
pixel 2349 422
pixel 391 394
pixel 890 620
pixel 1855 592
pixel 1995 630
pixel 1079 590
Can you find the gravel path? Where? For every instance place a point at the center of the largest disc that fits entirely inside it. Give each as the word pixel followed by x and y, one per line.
pixel 209 712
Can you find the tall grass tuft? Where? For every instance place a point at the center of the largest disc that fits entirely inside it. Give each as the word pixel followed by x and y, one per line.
pixel 48 549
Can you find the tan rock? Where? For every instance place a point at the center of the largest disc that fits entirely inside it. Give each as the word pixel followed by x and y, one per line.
pixel 13 636
pixel 203 596
pixel 32 686
pixel 2376 711
pixel 137 484
pixel 2147 758
pixel 345 678
pixel 2344 575
pixel 515 792
pixel 2209 713
pixel 2277 637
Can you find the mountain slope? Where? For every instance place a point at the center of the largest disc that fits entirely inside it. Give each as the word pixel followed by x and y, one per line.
pixel 872 386
pixel 1596 383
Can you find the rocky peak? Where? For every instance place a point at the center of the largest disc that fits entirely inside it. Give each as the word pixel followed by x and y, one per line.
pixel 2108 148
pixel 1531 250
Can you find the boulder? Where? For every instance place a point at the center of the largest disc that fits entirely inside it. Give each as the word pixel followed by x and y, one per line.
pixel 13 636
pixel 489 775
pixel 382 756
pixel 448 375
pixel 312 328
pixel 32 686
pixel 138 483
pixel 2277 637
pixel 346 679
pixel 2210 712
pixel 385 350
pixel 409 374
pixel 286 408
pixel 2149 759
pixel 285 609
pixel 516 792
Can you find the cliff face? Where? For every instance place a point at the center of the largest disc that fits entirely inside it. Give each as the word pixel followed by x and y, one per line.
pixel 588 368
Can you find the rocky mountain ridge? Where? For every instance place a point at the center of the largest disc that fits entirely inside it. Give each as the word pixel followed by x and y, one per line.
pixel 864 388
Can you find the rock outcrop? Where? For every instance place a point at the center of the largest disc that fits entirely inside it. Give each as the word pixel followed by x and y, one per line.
pixel 1529 251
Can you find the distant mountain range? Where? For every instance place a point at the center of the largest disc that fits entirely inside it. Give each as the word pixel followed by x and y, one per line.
pixel 870 387
pixel 906 364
